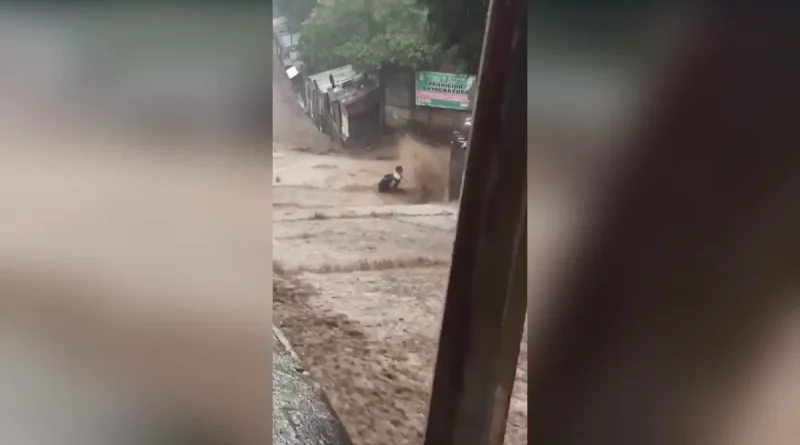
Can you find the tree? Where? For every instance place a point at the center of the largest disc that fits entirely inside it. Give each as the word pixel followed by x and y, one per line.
pixel 459 26
pixel 296 11
pixel 368 34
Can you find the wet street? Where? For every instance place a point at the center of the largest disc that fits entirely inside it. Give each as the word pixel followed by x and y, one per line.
pixel 360 278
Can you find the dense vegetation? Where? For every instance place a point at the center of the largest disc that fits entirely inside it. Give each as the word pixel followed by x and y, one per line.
pixel 459 26
pixel 372 34
pixel 368 34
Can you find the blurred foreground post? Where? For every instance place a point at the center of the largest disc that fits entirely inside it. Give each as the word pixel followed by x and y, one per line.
pixel 695 258
pixel 486 296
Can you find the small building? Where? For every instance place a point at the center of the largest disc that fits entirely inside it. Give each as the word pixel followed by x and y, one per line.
pixel 315 97
pixel 344 104
pixel 286 41
pixel 286 46
pixel 356 114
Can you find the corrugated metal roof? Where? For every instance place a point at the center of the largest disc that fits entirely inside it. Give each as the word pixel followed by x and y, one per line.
pixel 340 75
pixel 348 96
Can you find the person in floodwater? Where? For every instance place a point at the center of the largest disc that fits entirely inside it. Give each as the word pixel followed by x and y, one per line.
pixel 391 181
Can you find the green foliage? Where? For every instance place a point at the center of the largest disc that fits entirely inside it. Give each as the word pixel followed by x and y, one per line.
pixel 369 34
pixel 297 11
pixel 458 26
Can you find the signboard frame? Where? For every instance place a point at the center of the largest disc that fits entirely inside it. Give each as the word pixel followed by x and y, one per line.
pixel 444 90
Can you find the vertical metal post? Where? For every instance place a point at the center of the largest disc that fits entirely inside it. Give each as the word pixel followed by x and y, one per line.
pixel 486 295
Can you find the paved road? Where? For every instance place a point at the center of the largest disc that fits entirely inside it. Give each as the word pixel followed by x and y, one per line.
pixel 300 412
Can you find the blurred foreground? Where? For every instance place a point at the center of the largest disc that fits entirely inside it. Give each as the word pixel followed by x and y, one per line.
pixel 135 229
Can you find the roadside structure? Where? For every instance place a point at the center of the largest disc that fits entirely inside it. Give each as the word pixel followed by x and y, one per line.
pixel 344 104
pixel 286 42
pixel 429 104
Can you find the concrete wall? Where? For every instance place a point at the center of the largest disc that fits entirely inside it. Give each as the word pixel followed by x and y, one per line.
pixel 396 117
pixel 438 124
pixel 401 113
pixel 398 100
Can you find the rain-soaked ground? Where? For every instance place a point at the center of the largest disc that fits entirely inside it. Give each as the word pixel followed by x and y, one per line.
pixel 301 412
pixel 360 277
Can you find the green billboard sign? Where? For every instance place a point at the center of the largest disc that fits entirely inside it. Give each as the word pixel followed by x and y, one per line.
pixel 441 90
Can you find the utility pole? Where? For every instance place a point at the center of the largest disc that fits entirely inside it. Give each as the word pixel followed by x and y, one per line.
pixel 486 295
